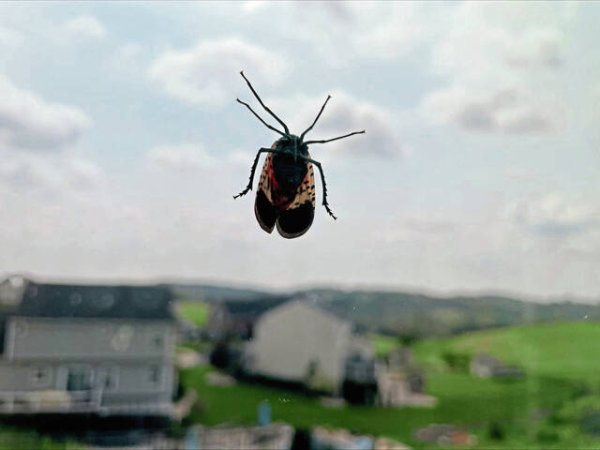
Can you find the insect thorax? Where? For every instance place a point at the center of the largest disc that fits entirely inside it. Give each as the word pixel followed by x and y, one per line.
pixel 289 164
pixel 291 144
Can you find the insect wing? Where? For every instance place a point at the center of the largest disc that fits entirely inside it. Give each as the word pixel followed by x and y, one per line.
pixel 298 217
pixel 266 213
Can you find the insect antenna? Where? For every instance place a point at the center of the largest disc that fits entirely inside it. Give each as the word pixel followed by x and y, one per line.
pixel 287 131
pixel 259 118
pixel 336 138
pixel 318 115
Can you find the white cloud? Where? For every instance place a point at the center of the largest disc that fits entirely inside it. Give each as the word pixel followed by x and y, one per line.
pixel 344 31
pixel 83 175
pixel 342 115
pixel 85 27
pixel 50 174
pixel 254 5
pixel 29 122
pixel 26 174
pixel 522 174
pixel 181 158
pixel 538 47
pixel 420 230
pixel 507 110
pixel 554 216
pixel 501 77
pixel 128 58
pixel 209 72
pixel 9 37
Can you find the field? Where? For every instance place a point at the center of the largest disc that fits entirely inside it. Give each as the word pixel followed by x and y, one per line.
pixel 540 410
pixel 568 351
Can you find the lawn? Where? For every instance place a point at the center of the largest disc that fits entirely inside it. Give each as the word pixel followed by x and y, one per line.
pixel 462 400
pixel 569 351
pixel 192 311
pixel 383 344
pixel 553 379
pixel 13 439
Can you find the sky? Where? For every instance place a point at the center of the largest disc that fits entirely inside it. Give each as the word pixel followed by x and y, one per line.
pixel 122 144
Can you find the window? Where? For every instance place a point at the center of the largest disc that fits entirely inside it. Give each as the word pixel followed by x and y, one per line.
pixel 79 378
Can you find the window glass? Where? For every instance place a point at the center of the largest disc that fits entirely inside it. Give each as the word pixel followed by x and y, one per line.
pixel 300 225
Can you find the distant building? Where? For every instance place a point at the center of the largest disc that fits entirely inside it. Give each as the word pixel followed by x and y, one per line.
pixel 486 366
pixel 236 319
pixel 106 350
pixel 396 389
pixel 300 343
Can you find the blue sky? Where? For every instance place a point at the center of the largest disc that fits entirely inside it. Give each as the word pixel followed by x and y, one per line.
pixel 122 143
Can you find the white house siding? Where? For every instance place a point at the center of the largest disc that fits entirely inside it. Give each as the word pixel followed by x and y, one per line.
pixel 291 338
pixel 125 378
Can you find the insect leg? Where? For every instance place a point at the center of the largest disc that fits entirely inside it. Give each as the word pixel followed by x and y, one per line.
pixel 325 204
pixel 253 170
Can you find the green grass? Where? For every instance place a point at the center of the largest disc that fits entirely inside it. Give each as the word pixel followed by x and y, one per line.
pixel 192 311
pixel 557 360
pixel 13 439
pixel 462 400
pixel 570 351
pixel 383 344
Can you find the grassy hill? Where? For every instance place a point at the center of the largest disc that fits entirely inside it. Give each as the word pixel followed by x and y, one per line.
pixel 410 314
pixel 558 401
pixel 569 351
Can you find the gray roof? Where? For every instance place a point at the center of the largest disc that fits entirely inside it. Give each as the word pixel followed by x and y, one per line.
pixel 100 301
pixel 253 308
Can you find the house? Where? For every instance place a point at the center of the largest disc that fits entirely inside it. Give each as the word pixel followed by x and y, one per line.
pixel 397 389
pixel 236 319
pixel 486 366
pixel 298 342
pixel 105 350
pixel 401 382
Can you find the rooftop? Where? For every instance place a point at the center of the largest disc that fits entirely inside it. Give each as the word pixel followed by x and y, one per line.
pixel 95 301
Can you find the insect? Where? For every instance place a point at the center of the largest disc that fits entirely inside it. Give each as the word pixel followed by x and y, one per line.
pixel 285 197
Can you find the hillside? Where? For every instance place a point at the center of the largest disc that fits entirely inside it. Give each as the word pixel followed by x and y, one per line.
pixel 558 350
pixel 410 314
pixel 421 315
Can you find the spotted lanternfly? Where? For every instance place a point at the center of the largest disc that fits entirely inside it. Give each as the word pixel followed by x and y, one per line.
pixel 285 197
